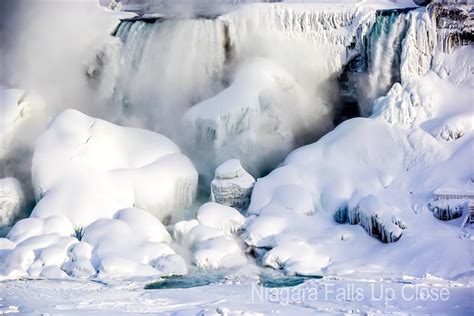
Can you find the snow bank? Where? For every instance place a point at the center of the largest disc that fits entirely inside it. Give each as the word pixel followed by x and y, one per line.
pixel 379 172
pixel 85 169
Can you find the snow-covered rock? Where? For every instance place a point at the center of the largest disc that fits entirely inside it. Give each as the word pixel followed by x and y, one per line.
pixel 296 258
pixel 12 201
pixel 378 219
pixel 31 227
pixel 171 265
pixel 86 168
pixel 80 268
pixel 199 234
pixel 219 253
pixel 232 185
pixel 182 228
pixel 446 210
pixel 144 224
pixel 224 218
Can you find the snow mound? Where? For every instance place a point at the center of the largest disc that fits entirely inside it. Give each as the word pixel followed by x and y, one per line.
pixel 232 185
pixel 12 201
pixel 133 243
pixel 224 218
pixel 380 173
pixel 212 239
pixel 86 168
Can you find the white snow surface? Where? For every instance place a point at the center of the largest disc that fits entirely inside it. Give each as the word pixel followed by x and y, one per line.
pixel 86 168
pixel 401 156
pixel 236 298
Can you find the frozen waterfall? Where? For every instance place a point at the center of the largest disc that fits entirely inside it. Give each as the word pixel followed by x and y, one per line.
pixel 168 68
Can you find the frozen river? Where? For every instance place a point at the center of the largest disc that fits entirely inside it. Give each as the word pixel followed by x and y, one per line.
pixel 240 296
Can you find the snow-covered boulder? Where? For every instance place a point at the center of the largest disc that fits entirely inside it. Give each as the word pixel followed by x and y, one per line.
pixel 31 227
pixel 378 219
pixel 171 265
pixel 12 201
pixel 219 253
pixel 232 185
pixel 144 224
pixel 296 258
pixel 222 217
pixel 447 210
pixel 182 228
pixel 85 169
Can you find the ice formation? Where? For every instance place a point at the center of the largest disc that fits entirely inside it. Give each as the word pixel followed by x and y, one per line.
pixel 247 99
pixel 232 185
pixel 12 201
pixel 448 210
pixel 86 169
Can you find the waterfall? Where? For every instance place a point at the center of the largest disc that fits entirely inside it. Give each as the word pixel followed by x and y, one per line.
pixel 383 54
pixel 168 66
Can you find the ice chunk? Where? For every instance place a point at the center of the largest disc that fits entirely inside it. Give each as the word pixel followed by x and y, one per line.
pixel 12 201
pixel 86 168
pixel 224 218
pixel 232 185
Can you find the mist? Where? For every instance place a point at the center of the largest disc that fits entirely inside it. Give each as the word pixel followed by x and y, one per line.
pixel 149 75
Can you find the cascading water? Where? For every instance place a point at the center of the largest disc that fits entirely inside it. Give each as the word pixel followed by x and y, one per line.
pixel 383 54
pixel 171 65
pixel 168 66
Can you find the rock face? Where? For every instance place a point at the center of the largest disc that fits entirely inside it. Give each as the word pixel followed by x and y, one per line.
pixel 11 201
pixel 232 185
pixel 453 21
